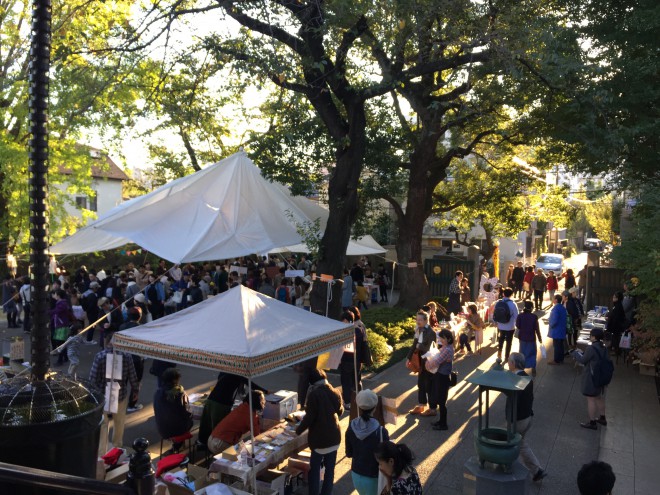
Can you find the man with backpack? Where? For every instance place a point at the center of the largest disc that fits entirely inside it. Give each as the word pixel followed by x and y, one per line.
pixel 597 374
pixel 505 314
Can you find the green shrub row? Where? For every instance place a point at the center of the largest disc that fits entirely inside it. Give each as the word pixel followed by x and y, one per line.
pixel 389 334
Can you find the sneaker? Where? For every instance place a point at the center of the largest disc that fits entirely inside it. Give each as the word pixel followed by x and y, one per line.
pixel 90 342
pixel 430 412
pixel 540 474
pixel 440 426
pixel 589 425
pixel 135 408
pixel 417 410
pixel 602 420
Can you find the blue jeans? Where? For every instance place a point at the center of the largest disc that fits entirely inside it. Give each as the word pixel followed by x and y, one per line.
pixel 365 485
pixel 315 462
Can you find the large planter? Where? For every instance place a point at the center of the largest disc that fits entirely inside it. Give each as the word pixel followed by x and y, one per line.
pixel 52 425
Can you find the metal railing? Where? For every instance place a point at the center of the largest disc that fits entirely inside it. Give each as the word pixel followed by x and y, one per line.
pixel 48 481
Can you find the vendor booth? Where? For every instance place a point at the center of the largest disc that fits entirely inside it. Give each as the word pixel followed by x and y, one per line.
pixel 248 334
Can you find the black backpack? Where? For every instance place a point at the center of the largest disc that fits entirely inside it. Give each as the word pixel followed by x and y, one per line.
pixel 502 313
pixel 603 370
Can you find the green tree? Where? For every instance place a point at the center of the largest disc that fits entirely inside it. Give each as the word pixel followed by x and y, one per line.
pixel 508 200
pixel 85 91
pixel 604 216
pixel 609 124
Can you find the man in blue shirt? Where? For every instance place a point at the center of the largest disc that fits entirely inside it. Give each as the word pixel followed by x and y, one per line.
pixel 557 329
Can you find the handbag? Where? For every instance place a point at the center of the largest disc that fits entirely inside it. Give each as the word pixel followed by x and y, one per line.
pixel 415 362
pixel 453 379
pixel 61 333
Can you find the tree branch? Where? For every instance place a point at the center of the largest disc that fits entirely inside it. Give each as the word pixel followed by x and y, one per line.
pixel 398 210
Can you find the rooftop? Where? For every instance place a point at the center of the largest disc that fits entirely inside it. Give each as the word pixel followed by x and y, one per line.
pixel 106 168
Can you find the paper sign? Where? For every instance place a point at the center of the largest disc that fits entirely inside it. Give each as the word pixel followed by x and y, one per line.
pixel 113 366
pixel 294 273
pixel 389 410
pixel 241 270
pixel 412 265
pixel 330 360
pixel 326 278
pixel 17 350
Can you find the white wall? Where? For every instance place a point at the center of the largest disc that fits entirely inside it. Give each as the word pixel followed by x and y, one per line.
pixel 108 195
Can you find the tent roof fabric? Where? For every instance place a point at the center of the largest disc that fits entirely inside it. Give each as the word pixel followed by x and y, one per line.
pixel 239 331
pixel 223 211
pixel 364 246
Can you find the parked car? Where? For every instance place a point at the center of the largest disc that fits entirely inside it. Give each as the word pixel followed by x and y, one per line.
pixel 593 243
pixel 551 261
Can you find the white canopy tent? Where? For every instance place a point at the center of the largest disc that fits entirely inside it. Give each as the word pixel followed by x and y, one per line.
pixel 226 210
pixel 256 334
pixel 363 246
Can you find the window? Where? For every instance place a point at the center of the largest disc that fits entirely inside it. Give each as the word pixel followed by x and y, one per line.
pixel 447 243
pixel 87 202
pixel 91 202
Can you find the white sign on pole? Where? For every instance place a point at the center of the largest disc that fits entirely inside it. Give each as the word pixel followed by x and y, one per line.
pixel 294 273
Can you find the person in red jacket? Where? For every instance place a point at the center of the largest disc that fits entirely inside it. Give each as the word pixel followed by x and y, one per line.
pixel 527 282
pixel 231 429
pixel 552 284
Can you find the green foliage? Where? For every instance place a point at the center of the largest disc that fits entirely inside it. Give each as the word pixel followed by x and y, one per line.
pixel 508 199
pixel 391 323
pixel 604 216
pixel 639 255
pixel 609 121
pixel 380 351
pixel 86 92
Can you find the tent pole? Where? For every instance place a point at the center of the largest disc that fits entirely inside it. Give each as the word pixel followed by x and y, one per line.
pixel 253 479
pixel 355 368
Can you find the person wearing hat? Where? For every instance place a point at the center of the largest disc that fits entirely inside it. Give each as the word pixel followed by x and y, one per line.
pixel 363 435
pixel 595 395
pixel 322 411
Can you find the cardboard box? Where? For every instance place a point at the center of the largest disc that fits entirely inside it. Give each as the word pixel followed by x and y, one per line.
pixel 200 481
pixel 117 475
pixel 238 489
pixel 647 369
pixel 273 479
pixel 280 404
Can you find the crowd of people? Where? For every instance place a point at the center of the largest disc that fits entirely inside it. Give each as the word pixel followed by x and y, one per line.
pixel 104 302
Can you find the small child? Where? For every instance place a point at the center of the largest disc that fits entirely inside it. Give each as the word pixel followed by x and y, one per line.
pixel 73 349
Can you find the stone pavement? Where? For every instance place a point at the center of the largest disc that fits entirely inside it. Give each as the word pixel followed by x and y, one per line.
pixel 628 442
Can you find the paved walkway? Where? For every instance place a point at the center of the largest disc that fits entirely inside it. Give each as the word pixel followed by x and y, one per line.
pixel 629 441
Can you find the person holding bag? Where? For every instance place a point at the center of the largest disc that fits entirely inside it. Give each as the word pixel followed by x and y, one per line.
pixel 443 361
pixel 362 437
pixel 424 337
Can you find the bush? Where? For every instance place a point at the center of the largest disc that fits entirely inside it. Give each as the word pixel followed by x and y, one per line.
pixel 380 350
pixel 391 323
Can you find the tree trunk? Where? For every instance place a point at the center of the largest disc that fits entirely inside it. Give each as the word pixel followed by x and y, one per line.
pixel 414 289
pixel 413 286
pixel 343 206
